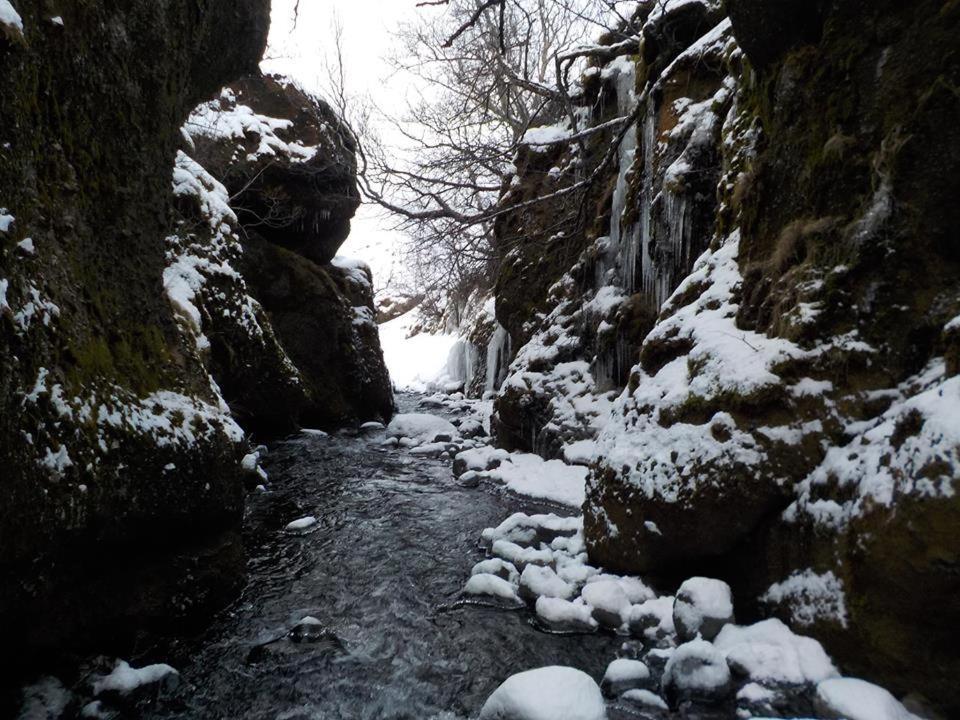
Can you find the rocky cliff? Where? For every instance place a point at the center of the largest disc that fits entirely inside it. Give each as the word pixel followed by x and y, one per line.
pixel 288 173
pixel 749 324
pixel 136 328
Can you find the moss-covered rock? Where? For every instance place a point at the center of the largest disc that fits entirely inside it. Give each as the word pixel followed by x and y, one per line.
pixel 792 424
pixel 111 435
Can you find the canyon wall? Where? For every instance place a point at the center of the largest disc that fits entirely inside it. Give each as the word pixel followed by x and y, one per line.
pixel 749 324
pixel 150 316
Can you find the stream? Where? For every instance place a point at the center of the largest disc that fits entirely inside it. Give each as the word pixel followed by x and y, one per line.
pixel 382 572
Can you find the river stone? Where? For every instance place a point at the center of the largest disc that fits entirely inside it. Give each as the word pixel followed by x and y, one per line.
pixel 547 693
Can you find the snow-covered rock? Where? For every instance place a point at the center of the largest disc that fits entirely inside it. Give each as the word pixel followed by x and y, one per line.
pixel 564 616
pixel 548 693
pixel 492 586
pixel 697 670
pixel 420 427
pixel 538 581
pixel 609 602
pixel 301 525
pixel 624 674
pixel 124 679
pixel 702 607
pixel 769 652
pixel 852 699
pixel 652 619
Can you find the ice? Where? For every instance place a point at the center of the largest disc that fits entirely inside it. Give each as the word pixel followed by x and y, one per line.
pixel 314 433
pixel 124 679
pixel 414 360
pixel 548 693
pixel 854 699
pixel 769 651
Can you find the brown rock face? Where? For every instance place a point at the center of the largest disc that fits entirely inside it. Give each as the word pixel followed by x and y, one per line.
pixel 110 433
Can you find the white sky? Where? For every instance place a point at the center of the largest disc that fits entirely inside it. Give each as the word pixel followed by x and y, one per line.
pixel 367 39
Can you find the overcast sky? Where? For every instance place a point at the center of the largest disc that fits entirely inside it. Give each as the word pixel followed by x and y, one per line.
pixel 367 38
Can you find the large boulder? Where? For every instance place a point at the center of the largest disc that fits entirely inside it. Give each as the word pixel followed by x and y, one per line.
pixel 288 166
pixel 114 443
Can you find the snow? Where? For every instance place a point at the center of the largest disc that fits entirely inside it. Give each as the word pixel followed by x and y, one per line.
pixel 607 596
pixel 492 585
pixel 10 17
pixel 645 697
pixel 414 362
pixel 496 566
pixel 855 699
pixel 560 613
pixel 876 467
pixel 541 138
pixel 227 119
pixel 696 665
pixel 768 651
pixel 544 582
pixel 810 596
pixel 530 475
pixel 421 427
pixel 301 524
pixel 26 245
pixel 660 609
pixel 548 693
pixel 700 600
pixel 125 679
pixel 624 669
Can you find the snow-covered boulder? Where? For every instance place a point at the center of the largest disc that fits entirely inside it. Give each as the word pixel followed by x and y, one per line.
pixel 493 587
pixel 696 671
pixel 624 674
pixel 609 602
pixel 702 607
pixel 562 615
pixel 548 693
pixel 420 427
pixel 538 581
pixel 853 699
pixel 652 619
pixel 769 652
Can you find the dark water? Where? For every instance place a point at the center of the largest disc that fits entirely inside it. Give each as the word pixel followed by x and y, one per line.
pixel 395 543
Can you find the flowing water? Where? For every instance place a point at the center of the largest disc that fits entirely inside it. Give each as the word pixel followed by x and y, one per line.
pixel 382 572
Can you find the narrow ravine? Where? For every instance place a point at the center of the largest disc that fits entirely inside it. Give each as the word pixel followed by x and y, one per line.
pixel 382 571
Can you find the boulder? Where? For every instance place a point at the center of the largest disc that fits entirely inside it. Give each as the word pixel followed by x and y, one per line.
pixel 702 606
pixel 548 693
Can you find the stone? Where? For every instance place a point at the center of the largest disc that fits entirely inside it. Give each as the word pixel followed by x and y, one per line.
pixel 702 607
pixel 548 693
pixel 696 671
pixel 623 674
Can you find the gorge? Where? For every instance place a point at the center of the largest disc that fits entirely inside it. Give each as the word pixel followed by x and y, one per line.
pixel 704 431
